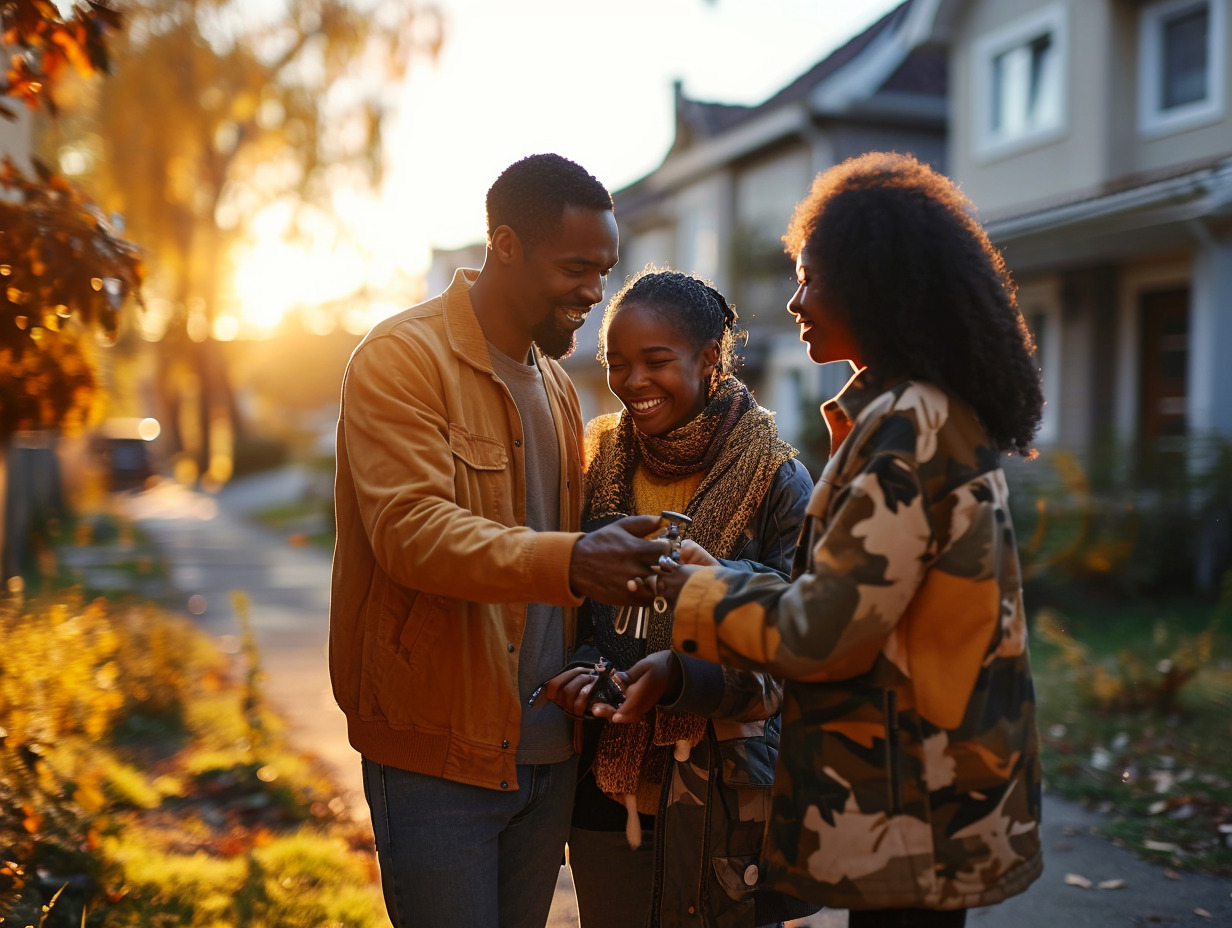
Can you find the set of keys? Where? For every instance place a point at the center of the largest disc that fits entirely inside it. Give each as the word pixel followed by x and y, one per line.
pixel 677 526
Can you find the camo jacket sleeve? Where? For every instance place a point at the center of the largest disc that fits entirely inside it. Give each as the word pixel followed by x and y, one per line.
pixel 734 694
pixel 868 540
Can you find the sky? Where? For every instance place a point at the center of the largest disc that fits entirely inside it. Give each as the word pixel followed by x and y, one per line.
pixel 588 79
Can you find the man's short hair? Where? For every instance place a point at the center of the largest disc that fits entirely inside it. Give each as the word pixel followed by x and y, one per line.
pixel 531 195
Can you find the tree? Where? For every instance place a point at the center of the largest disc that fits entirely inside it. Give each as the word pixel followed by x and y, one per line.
pixel 221 111
pixel 63 269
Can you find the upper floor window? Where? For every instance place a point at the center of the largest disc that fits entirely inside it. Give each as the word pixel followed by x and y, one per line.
pixel 1019 79
pixel 1180 64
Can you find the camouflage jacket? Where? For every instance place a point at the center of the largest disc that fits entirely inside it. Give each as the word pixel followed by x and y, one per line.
pixel 909 765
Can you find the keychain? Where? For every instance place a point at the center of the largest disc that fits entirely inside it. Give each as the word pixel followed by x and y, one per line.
pixel 677 526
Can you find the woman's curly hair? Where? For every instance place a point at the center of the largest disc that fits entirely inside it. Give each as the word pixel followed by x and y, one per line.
pixel 897 245
pixel 692 305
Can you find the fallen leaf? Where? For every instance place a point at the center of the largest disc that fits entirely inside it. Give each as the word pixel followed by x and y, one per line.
pixel 1202 913
pixel 1171 874
pixel 1166 846
pixel 1111 884
pixel 1077 879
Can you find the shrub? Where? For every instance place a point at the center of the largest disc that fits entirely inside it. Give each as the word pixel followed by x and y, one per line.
pixel 143 781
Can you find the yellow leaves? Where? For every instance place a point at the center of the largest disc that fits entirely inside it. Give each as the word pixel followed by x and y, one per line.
pixel 1106 688
pixel 1133 680
pixel 89 792
pixel 63 664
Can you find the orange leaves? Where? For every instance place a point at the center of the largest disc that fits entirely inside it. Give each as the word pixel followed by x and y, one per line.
pixel 54 245
pixel 32 820
pixel 53 241
pixel 44 45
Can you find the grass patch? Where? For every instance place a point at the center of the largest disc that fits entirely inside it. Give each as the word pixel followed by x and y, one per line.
pixel 305 522
pixel 143 781
pixel 1135 710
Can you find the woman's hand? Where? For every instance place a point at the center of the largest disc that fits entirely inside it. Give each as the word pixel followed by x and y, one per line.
pixel 671 579
pixel 654 679
pixel 693 553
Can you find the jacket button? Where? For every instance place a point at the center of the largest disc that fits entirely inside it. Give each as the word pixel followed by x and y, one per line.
pixel 504 784
pixel 517 443
pixel 504 744
pixel 688 645
pixel 750 875
pixel 509 648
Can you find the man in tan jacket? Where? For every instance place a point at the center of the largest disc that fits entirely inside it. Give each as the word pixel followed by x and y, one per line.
pixel 459 560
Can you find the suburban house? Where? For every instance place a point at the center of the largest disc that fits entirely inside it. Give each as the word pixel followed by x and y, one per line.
pixel 1095 138
pixel 720 200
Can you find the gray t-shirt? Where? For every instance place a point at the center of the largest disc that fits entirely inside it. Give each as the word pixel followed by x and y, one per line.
pixel 547 733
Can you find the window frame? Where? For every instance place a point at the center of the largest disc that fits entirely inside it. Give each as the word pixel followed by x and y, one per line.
pixel 1053 19
pixel 1153 119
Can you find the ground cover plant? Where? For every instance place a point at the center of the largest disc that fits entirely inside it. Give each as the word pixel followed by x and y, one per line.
pixel 143 781
pixel 1135 711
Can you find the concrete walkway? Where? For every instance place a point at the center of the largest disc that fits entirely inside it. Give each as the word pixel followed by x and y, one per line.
pixel 213 548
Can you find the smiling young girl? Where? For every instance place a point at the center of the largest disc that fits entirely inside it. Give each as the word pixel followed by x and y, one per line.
pixel 697 771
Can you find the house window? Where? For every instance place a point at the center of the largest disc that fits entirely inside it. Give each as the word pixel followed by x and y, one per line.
pixel 1020 83
pixel 1181 64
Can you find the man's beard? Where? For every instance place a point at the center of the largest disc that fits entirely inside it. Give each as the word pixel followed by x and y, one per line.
pixel 555 342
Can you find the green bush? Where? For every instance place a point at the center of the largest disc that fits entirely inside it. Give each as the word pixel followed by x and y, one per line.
pixel 1110 523
pixel 143 781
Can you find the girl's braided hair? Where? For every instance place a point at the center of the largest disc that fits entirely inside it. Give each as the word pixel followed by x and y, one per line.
pixel 691 304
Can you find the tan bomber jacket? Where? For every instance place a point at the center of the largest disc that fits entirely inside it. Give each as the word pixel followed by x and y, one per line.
pixel 432 568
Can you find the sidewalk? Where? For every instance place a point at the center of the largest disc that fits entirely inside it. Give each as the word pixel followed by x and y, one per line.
pixel 212 549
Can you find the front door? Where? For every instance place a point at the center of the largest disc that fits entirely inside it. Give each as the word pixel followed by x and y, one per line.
pixel 1162 424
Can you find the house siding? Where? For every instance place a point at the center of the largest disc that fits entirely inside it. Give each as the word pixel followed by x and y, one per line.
pixel 1002 182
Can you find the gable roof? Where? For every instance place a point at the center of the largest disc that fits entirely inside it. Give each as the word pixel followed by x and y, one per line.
pixel 881 74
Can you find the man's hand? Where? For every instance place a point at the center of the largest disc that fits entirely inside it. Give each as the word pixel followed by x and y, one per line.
pixel 605 560
pixel 570 690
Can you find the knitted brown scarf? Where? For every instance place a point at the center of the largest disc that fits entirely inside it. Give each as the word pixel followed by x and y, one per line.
pixel 736 443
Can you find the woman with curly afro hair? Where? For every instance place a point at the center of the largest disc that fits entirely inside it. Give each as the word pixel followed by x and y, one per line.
pixel 908 786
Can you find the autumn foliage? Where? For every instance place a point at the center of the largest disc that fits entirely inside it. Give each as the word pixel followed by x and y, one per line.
pixel 64 270
pixel 144 782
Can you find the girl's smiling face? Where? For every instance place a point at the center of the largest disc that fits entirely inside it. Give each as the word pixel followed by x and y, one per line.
pixel 662 379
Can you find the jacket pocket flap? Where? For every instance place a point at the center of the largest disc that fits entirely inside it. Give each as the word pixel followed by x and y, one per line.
pixel 737 875
pixel 477 451
pixel 746 758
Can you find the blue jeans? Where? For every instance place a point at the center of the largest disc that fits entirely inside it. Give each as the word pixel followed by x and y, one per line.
pixel 454 855
pixel 908 918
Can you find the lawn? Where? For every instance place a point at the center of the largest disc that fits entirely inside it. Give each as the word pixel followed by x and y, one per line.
pixel 1135 710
